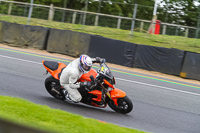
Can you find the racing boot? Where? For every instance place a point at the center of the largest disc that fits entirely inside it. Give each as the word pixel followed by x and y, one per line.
pixel 67 97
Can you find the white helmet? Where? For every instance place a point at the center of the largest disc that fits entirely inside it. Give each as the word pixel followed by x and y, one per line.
pixel 85 63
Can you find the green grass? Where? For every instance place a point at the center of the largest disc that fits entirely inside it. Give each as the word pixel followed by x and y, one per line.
pixel 46 118
pixel 182 43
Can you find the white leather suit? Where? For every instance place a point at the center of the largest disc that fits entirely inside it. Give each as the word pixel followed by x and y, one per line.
pixel 69 77
pixel 73 72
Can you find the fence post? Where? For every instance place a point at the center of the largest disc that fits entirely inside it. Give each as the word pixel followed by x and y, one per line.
pixel 51 12
pixel 97 16
pixel 74 18
pixel 30 12
pixel 141 26
pixel 86 8
pixel 133 20
pixel 198 25
pixel 64 12
pixel 96 20
pixel 177 28
pixel 164 29
pixel 186 32
pixel 10 8
pixel 119 23
pixel 197 33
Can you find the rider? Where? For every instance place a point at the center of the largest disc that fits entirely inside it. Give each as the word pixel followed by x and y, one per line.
pixel 73 71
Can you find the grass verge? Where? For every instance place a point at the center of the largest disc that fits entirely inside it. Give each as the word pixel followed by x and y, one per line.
pixel 178 42
pixel 46 118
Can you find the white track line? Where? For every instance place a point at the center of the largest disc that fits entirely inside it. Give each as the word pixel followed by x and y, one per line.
pixel 157 86
pixel 20 59
pixel 136 82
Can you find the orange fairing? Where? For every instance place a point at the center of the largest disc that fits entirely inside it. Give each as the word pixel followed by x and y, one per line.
pixel 55 73
pixel 117 93
pixel 109 84
pixel 96 93
pixel 86 76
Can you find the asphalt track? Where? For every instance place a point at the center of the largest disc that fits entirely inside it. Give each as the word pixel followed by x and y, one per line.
pixel 161 105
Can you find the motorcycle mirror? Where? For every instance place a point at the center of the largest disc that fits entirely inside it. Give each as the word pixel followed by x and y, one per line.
pixel 92 78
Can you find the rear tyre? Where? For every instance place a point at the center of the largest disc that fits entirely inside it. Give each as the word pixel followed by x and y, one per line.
pixel 125 105
pixel 53 86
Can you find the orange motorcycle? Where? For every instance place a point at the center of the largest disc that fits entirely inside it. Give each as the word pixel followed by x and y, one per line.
pixel 101 93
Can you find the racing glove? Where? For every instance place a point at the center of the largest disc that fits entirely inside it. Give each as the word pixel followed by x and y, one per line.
pixel 85 84
pixel 100 60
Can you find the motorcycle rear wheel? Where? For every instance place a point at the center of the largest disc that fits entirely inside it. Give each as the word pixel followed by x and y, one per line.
pixel 52 85
pixel 125 105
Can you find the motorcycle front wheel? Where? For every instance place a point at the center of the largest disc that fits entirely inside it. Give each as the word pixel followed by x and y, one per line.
pixel 125 105
pixel 53 86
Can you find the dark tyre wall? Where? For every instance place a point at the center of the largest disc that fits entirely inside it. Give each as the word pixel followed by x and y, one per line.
pixel 68 42
pixel 191 66
pixel 114 51
pixel 24 35
pixel 159 59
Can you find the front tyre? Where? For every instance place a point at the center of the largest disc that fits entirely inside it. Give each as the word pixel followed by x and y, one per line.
pixel 54 88
pixel 125 105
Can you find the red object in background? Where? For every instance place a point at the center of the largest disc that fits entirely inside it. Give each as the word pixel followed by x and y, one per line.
pixel 157 27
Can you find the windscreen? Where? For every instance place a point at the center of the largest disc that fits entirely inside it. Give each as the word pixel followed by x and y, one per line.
pixel 105 71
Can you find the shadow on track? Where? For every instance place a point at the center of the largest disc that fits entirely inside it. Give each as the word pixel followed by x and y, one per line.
pixel 81 108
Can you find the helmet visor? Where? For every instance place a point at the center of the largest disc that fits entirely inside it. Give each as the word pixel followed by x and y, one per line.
pixel 85 67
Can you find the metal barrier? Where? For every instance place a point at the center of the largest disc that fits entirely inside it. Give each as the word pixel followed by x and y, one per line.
pixel 91 18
